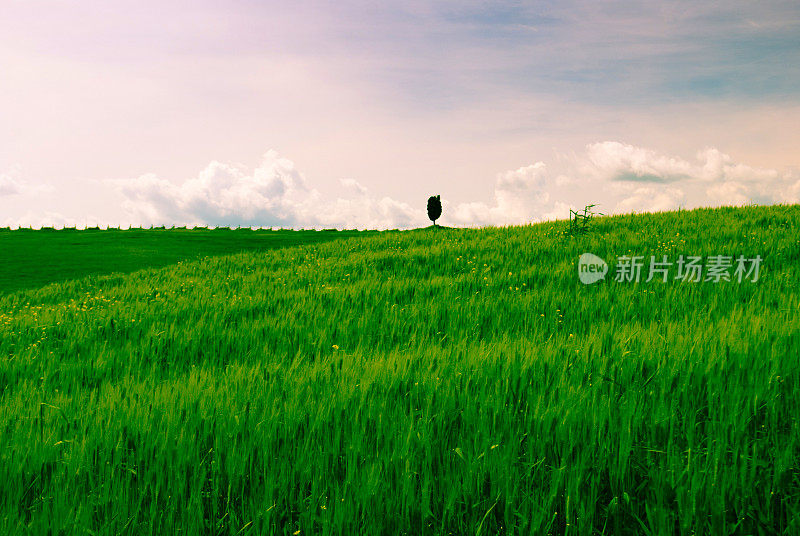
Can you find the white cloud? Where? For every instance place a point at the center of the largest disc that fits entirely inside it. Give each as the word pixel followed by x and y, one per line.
pixel 365 212
pixel 9 186
pixel 729 193
pixel 12 184
pixel 622 178
pixel 636 179
pixel 222 194
pixel 274 194
pixel 792 193
pixel 353 186
pixel 717 166
pixel 615 161
pixel 611 160
pixel 37 220
pixel 277 194
pixel 520 196
pixel 616 177
pixel 651 199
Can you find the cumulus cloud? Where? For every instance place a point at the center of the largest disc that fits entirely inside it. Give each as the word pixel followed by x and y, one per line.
pixel 611 160
pixel 617 177
pixel 520 196
pixel 729 193
pixel 621 178
pixel 13 186
pixel 641 179
pixel 615 161
pixel 353 186
pixel 274 194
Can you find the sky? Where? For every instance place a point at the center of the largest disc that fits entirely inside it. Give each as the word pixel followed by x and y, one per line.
pixel 350 114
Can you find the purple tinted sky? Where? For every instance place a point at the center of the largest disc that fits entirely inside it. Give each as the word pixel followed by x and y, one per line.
pixel 402 97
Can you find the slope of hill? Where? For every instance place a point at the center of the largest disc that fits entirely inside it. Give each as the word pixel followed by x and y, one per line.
pixel 33 258
pixel 429 382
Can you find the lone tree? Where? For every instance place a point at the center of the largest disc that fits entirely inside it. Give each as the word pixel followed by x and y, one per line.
pixel 434 208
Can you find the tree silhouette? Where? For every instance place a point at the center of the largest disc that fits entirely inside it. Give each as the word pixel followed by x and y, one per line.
pixel 434 208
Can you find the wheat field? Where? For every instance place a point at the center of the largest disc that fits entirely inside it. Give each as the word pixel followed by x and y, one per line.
pixel 428 382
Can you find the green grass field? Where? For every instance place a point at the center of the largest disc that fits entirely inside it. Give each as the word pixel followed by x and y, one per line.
pixel 436 382
pixel 33 258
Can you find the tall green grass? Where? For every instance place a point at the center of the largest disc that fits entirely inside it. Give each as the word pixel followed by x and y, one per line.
pixel 427 382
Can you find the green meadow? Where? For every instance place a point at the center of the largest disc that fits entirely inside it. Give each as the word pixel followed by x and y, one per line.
pixel 32 258
pixel 426 382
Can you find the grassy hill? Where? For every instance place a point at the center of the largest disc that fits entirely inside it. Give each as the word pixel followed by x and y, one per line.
pixel 438 381
pixel 33 258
